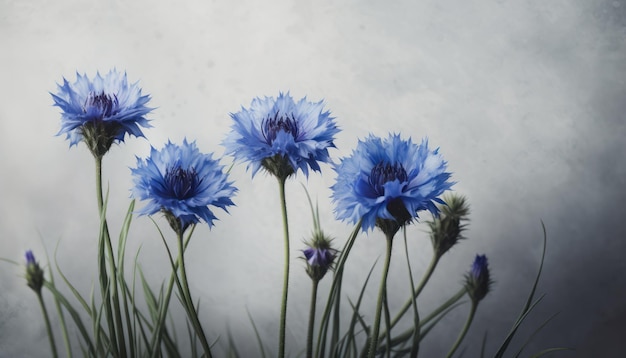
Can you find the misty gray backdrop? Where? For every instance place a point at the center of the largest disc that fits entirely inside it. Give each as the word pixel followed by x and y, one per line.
pixel 524 98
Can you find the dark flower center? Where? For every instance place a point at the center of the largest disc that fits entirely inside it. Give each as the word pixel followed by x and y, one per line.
pixel 386 172
pixel 103 102
pixel 271 127
pixel 381 174
pixel 181 183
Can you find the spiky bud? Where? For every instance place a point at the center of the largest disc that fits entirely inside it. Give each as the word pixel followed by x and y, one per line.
pixel 447 229
pixel 478 280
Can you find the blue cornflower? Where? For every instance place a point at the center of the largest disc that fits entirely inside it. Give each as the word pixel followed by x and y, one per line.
pixel 101 111
pixel 478 280
pixel 182 182
pixel 281 135
pixel 387 181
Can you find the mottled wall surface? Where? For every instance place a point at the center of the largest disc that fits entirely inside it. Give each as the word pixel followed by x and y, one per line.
pixel 526 100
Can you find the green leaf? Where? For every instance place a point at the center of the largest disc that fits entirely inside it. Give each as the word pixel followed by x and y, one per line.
pixel 74 314
pixel 534 334
pixel 527 306
pixel 256 333
pixel 356 316
pixel 335 289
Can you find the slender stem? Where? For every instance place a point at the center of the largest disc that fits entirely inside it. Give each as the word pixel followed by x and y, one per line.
pixel 114 293
pixel 48 327
pixel 335 290
pixel 283 309
pixel 388 335
pixel 191 309
pixel 418 290
pixel 468 323
pixel 114 278
pixel 415 347
pixel 309 337
pixel 452 300
pixel 334 334
pixel 104 278
pixel 411 331
pixel 379 305
pixel 158 329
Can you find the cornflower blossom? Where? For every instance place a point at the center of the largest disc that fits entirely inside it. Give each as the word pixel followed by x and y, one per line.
pixel 101 111
pixel 182 182
pixel 281 135
pixel 386 182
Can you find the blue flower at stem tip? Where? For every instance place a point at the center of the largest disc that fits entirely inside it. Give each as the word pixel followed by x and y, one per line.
pixel 182 182
pixel 282 135
pixel 101 111
pixel 388 181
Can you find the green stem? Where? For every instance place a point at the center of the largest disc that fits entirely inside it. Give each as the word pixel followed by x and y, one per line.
pixel 452 300
pixel 48 327
pixel 309 337
pixel 417 291
pixel 335 290
pixel 186 294
pixel 104 279
pixel 379 305
pixel 386 309
pixel 415 347
pixel 114 294
pixel 468 323
pixel 158 329
pixel 411 331
pixel 283 309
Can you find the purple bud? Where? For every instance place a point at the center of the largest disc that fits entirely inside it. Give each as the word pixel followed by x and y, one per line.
pixel 34 273
pixel 319 260
pixel 30 258
pixel 478 280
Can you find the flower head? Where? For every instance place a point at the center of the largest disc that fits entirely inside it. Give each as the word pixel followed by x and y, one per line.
pixel 281 135
pixel 101 111
pixel 478 281
pixel 386 182
pixel 181 182
pixel 447 228
pixel 319 256
pixel 34 273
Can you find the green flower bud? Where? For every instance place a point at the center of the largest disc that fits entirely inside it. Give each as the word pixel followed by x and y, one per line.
pixel 447 229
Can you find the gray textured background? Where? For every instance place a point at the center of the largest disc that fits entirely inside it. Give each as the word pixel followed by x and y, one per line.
pixel 525 99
